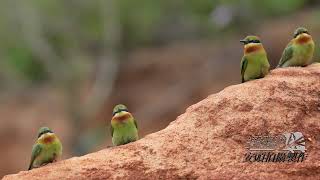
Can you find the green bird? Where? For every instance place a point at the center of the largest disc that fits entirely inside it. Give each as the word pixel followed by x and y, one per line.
pixel 299 51
pixel 47 148
pixel 254 63
pixel 124 127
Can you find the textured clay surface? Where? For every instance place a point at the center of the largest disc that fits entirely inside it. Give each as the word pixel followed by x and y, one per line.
pixel 208 141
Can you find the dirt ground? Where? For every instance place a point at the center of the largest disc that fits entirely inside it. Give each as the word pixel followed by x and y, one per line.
pixel 209 140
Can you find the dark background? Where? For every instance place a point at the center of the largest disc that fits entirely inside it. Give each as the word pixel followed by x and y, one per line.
pixel 65 64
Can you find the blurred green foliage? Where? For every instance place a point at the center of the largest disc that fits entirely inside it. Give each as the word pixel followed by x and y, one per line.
pixel 22 62
pixel 69 27
pixel 276 7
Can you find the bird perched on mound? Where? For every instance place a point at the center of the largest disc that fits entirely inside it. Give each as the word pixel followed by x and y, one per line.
pixel 254 63
pixel 124 127
pixel 47 148
pixel 299 51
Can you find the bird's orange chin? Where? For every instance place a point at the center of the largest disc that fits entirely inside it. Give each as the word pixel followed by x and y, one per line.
pixel 48 139
pixel 252 48
pixel 303 39
pixel 122 117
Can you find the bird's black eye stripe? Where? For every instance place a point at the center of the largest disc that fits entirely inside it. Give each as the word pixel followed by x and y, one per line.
pixel 44 132
pixel 254 41
pixel 119 110
pixel 297 34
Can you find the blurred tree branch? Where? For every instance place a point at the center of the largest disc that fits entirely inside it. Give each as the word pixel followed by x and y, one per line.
pixel 107 63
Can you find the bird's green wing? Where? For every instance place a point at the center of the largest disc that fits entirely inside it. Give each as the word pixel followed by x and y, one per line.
pixel 135 123
pixel 111 130
pixel 286 55
pixel 36 150
pixel 244 63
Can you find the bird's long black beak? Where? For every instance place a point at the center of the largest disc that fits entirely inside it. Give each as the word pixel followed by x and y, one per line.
pixel 243 41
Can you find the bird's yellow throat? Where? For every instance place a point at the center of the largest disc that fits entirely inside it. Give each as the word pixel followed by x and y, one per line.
pixel 47 138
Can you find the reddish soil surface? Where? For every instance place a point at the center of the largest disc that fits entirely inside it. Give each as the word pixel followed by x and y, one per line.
pixel 208 141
